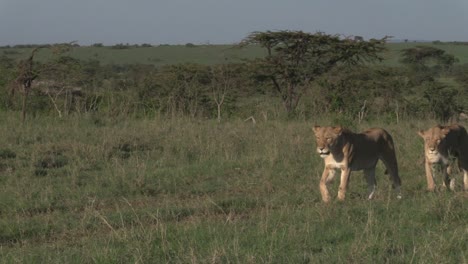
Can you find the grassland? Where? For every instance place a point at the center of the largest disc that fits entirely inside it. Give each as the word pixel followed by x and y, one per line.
pixel 95 188
pixel 158 55
pixel 92 189
pixel 203 54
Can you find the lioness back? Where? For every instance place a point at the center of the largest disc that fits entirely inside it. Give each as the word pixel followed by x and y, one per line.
pixel 372 144
pixel 378 135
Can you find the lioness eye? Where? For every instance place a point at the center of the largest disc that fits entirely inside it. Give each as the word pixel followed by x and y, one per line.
pixel 328 139
pixel 438 141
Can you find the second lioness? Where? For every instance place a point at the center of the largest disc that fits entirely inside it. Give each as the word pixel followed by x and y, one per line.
pixel 440 144
pixel 342 149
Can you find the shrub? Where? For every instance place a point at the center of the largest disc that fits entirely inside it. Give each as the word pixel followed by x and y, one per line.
pixel 441 100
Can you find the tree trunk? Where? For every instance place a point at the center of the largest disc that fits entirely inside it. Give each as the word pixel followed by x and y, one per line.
pixel 23 111
pixel 219 113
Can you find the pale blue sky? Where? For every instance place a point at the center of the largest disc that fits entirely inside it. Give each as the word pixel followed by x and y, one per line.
pixel 224 21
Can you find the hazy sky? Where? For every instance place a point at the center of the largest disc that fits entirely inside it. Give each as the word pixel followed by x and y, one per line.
pixel 224 21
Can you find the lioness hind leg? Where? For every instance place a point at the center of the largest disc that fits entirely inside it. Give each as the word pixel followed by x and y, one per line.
pixel 446 170
pixel 392 168
pixel 452 184
pixel 371 182
pixel 465 180
pixel 463 165
pixel 331 176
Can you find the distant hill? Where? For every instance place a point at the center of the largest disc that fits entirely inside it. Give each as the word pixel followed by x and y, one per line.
pixel 202 54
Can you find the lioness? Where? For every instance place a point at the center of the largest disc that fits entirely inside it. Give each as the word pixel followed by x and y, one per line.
pixel 441 143
pixel 342 149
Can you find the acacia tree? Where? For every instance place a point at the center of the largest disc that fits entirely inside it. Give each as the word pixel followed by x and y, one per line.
pixel 294 58
pixel 441 99
pixel 23 82
pixel 427 63
pixel 422 57
pixel 62 75
pixel 178 89
pixel 224 78
pixel 28 71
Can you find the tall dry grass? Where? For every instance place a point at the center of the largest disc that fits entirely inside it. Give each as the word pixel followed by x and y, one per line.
pixel 92 189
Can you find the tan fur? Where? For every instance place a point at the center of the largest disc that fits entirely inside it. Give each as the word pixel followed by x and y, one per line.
pixel 342 149
pixel 440 144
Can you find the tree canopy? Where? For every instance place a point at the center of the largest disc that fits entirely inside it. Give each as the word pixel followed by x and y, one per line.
pixel 421 57
pixel 296 58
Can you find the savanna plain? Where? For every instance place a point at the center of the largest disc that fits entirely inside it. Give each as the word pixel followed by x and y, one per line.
pixel 93 187
pixel 94 190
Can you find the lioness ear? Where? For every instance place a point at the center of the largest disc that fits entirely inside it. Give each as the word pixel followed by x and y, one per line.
pixel 338 130
pixel 315 129
pixel 421 133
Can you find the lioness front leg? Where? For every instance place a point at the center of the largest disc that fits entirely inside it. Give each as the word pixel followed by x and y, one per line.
pixel 323 183
pixel 343 183
pixel 429 176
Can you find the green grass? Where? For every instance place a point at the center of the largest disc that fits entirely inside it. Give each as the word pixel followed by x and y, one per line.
pixel 203 54
pixel 179 190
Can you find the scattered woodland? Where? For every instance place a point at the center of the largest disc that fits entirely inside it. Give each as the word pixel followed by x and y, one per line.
pixel 307 74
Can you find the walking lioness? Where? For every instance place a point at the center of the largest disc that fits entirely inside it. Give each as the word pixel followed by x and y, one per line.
pixel 441 143
pixel 342 149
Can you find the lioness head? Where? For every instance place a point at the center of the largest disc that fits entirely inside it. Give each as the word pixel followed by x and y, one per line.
pixel 326 138
pixel 434 140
